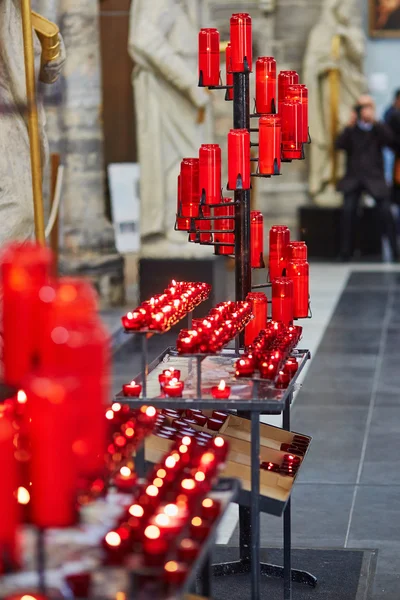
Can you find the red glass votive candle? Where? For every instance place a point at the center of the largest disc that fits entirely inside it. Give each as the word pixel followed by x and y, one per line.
pixel 286 78
pixel 200 419
pixel 282 300
pixel 221 416
pixel 291 115
pixel 270 145
pixel 291 366
pixel 125 480
pixel 256 239
pixel 297 249
pixel 189 182
pixel 210 509
pixel 199 528
pixel 132 389
pixel 270 466
pixel 283 380
pixel 175 573
pixel 209 57
pixel 241 42
pixel 188 550
pixel 259 305
pixel 298 271
pixel 227 224
pixel 174 388
pixel 244 367
pixel 299 93
pixel 210 172
pixel 182 223
pixel 221 391
pixel 229 74
pixel 279 238
pixel 239 159
pixel 154 548
pixel 167 375
pixel 214 424
pixel 266 85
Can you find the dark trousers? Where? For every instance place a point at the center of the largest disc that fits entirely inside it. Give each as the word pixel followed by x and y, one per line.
pixel 386 223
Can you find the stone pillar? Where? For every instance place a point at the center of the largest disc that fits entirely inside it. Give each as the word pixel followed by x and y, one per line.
pixel 75 130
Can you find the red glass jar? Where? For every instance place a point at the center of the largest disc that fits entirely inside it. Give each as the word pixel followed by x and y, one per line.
pixel 209 57
pixel 279 238
pixel 298 271
pixel 299 93
pixel 291 114
pixel 286 78
pixel 210 172
pixel 256 240
pixel 270 145
pixel 259 306
pixel 266 85
pixel 182 224
pixel 297 250
pixel 229 74
pixel 239 159
pixel 282 300
pixel 241 42
pixel 227 224
pixel 189 182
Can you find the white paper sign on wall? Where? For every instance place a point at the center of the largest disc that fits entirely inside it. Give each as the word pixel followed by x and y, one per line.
pixel 125 205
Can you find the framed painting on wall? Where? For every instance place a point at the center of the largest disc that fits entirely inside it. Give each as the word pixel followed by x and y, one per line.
pixel 384 18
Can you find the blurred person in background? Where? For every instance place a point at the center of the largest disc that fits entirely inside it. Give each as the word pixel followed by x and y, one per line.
pixel 393 121
pixel 363 141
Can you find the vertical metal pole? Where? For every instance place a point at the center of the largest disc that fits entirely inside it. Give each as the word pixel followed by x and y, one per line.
pixel 287 523
pixel 140 459
pixel 255 506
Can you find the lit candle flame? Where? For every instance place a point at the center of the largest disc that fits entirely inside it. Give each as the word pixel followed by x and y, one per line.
pixel 222 385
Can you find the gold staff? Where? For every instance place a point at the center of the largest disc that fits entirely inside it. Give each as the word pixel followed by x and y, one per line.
pixel 33 123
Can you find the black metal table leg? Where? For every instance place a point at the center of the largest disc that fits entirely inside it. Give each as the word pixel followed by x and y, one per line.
pixel 255 506
pixel 204 587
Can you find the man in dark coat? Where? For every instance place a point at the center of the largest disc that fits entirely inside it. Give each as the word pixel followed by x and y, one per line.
pixel 363 141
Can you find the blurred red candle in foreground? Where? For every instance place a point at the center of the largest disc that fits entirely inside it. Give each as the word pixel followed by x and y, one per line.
pixel 279 238
pixel 282 300
pixel 241 42
pixel 9 520
pixel 53 463
pixel 209 57
pixel 239 159
pixel 256 240
pixel 270 145
pixel 266 85
pixel 229 74
pixel 259 305
pixel 298 271
pixel 25 269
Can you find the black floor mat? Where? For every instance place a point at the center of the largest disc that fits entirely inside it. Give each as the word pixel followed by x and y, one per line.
pixel 341 574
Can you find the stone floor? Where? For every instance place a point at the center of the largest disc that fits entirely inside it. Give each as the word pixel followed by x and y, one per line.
pixel 348 493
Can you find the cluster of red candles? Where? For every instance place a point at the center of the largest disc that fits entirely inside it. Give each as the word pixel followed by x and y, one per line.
pixel 53 433
pixel 289 274
pixel 171 514
pixel 219 327
pixel 181 422
pixel 270 354
pixel 127 428
pixel 289 466
pixel 164 310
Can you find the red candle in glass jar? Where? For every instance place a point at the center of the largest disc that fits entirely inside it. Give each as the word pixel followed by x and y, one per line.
pixel 53 464
pixel 209 57
pixel 279 238
pixel 282 300
pixel 298 271
pixel 210 509
pixel 189 182
pixel 175 573
pixel 210 172
pixel 266 85
pixel 182 223
pixel 188 550
pixel 132 389
pixel 259 305
pixel 241 42
pixel 244 367
pixel 199 528
pixel 286 78
pixel 221 391
pixel 299 93
pixel 256 240
pixel 174 388
pixel 227 224
pixel 25 269
pixel 229 74
pixel 291 367
pixel 270 145
pixel 239 159
pixel 9 520
pixel 297 250
pixel 291 115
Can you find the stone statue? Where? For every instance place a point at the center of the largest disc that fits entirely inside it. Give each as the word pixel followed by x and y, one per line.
pixel 172 113
pixel 333 59
pixel 16 197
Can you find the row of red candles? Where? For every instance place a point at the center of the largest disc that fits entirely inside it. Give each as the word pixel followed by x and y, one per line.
pixel 54 349
pixel 171 506
pixel 164 310
pixel 269 354
pixel 221 325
